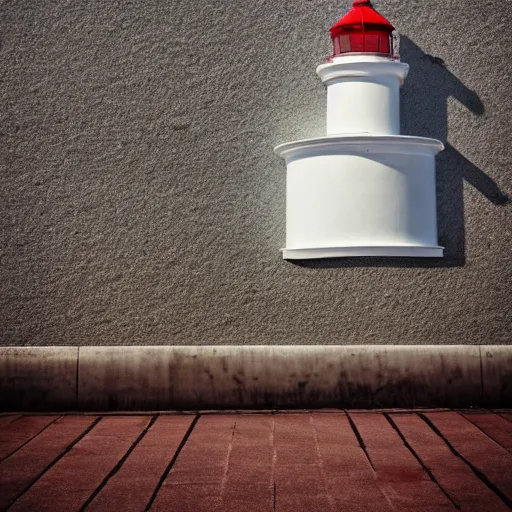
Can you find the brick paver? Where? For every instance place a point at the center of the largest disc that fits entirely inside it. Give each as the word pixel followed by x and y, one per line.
pixel 494 426
pixel 507 416
pixel 6 420
pixel 197 479
pixel 19 470
pixel 483 453
pixel 399 474
pixel 131 488
pixel 249 482
pixel 300 483
pixel 14 435
pixel 282 461
pixel 70 482
pixel 452 473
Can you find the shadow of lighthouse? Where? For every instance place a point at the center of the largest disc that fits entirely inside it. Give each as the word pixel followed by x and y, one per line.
pixel 424 112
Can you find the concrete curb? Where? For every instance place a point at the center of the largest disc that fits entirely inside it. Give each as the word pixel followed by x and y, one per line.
pixel 38 378
pixel 208 377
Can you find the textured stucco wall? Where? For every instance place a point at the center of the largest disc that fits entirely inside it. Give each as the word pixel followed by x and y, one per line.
pixel 141 202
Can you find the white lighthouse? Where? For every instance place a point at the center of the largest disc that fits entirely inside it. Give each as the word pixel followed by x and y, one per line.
pixel 363 189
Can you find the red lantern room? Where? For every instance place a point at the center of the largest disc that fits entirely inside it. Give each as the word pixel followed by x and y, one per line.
pixel 362 30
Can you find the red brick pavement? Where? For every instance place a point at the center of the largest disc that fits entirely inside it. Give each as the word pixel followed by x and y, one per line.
pixel 269 461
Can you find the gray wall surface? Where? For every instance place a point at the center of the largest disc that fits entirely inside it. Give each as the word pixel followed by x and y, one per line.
pixel 141 202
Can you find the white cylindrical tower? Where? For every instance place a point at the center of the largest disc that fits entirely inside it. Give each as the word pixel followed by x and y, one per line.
pixel 363 190
pixel 363 94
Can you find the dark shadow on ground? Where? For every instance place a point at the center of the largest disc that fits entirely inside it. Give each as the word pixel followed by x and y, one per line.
pixel 424 112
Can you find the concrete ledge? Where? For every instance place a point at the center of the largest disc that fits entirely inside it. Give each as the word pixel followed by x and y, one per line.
pixel 278 376
pixel 38 378
pixel 207 377
pixel 497 375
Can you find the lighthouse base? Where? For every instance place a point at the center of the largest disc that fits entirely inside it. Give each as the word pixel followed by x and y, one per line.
pixel 361 195
pixel 347 252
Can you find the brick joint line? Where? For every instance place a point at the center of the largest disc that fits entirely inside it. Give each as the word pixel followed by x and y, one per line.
pixel 172 462
pixel 418 458
pixel 120 462
pixel 359 439
pixel 228 458
pixel 327 486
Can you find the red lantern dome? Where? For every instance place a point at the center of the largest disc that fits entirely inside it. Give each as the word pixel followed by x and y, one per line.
pixel 362 30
